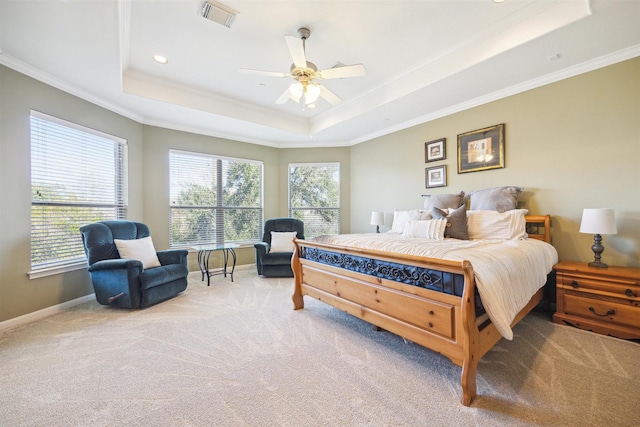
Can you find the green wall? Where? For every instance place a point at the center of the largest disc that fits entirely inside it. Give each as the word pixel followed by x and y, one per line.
pixel 148 184
pixel 20 94
pixel 571 145
pixel 158 142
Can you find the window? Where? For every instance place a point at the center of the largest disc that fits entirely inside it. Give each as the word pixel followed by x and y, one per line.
pixel 214 199
pixel 314 197
pixel 78 176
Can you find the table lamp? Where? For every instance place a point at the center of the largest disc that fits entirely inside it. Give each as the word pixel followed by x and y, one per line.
pixel 377 219
pixel 597 222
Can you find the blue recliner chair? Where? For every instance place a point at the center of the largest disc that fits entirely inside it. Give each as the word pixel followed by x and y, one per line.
pixel 123 282
pixel 276 264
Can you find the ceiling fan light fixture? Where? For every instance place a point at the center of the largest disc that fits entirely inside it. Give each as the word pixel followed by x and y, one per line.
pixel 311 93
pixel 296 90
pixel 305 74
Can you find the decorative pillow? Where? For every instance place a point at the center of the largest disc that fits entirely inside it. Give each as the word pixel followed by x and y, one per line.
pixel 510 225
pixel 282 241
pixel 432 229
pixel 443 201
pixel 456 222
pixel 140 249
pixel 402 218
pixel 499 199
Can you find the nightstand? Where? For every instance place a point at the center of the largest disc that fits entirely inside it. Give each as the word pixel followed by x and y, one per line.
pixel 602 300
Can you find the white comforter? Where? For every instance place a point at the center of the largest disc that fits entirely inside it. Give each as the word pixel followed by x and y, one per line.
pixel 507 272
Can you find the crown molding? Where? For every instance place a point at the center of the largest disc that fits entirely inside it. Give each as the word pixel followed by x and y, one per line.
pixel 585 67
pixel 65 86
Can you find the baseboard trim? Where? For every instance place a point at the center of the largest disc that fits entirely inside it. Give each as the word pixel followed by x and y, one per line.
pixel 45 312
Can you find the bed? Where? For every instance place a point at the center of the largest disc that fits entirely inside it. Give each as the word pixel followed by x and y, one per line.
pixel 434 302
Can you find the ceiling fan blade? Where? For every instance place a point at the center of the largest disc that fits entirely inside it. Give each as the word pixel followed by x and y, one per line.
pixel 286 95
pixel 264 73
pixel 329 96
pixel 343 72
pixel 283 98
pixel 296 49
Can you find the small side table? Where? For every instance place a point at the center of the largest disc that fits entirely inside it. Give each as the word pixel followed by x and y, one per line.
pixel 204 252
pixel 602 300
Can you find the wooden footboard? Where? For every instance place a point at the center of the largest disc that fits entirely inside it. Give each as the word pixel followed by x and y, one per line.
pixel 441 322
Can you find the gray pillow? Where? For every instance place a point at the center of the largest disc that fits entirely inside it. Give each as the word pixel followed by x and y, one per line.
pixel 443 201
pixel 456 222
pixel 499 199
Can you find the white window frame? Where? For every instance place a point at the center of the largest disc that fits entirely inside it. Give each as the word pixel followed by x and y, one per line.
pixel 308 231
pixel 218 208
pixel 43 150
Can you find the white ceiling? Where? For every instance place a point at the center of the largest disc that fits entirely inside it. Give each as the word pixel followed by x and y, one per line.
pixel 424 59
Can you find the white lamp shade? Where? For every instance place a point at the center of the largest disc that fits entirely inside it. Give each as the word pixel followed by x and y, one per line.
pixel 598 221
pixel 311 94
pixel 296 90
pixel 377 218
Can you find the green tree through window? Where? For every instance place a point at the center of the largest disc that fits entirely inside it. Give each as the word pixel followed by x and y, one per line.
pixel 78 176
pixel 314 197
pixel 214 199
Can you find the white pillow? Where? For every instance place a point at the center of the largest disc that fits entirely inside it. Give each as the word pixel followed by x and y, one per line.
pixel 140 249
pixel 429 229
pixel 402 218
pixel 282 241
pixel 509 225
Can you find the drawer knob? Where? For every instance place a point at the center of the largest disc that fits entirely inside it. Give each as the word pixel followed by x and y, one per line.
pixel 611 312
pixel 630 293
pixel 575 284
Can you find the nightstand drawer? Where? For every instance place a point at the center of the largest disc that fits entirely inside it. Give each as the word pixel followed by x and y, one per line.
pixel 603 300
pixel 620 288
pixel 601 310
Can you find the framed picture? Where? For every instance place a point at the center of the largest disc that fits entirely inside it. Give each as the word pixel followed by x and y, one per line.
pixel 481 149
pixel 436 176
pixel 435 150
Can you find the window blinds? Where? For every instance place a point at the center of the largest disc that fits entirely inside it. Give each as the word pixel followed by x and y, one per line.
pixel 78 176
pixel 314 197
pixel 214 199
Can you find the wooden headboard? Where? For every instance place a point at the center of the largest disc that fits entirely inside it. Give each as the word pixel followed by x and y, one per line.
pixel 539 227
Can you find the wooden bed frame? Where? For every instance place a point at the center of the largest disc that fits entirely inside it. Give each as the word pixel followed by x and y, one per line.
pixel 441 322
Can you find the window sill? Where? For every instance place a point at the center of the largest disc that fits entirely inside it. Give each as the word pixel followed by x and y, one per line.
pixel 50 271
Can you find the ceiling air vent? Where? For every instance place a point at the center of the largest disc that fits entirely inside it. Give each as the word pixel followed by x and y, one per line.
pixel 218 12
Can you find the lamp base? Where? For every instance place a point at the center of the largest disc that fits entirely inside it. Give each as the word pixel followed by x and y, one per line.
pixel 598 264
pixel 597 249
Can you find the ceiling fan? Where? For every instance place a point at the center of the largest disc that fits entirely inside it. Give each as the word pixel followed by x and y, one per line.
pixel 306 74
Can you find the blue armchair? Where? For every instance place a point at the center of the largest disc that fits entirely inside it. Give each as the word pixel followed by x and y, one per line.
pixel 271 263
pixel 121 282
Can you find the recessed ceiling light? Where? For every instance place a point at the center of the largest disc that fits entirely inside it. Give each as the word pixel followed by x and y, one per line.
pixel 498 1
pixel 160 59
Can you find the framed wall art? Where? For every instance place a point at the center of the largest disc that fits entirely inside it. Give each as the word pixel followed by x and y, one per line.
pixel 436 176
pixel 481 149
pixel 435 150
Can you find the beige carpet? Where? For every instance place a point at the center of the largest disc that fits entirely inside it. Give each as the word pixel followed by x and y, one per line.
pixel 236 354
